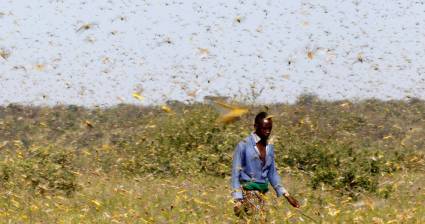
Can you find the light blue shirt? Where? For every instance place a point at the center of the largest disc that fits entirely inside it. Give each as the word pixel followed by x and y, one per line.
pixel 247 166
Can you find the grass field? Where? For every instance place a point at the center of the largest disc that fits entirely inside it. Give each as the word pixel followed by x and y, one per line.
pixel 345 162
pixel 105 199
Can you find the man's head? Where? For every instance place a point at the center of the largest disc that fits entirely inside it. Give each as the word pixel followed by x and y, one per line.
pixel 263 125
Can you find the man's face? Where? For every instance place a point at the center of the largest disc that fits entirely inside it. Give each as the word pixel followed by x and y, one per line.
pixel 264 128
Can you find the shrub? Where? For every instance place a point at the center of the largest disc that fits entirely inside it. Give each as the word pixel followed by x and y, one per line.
pixel 43 170
pixel 190 143
pixel 338 165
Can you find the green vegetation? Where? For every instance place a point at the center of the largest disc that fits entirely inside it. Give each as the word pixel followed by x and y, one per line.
pixel 346 162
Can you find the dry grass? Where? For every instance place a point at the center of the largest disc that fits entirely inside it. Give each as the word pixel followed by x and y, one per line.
pixel 111 199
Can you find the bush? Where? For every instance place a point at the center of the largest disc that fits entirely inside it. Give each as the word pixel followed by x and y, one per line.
pixel 338 165
pixel 190 143
pixel 42 170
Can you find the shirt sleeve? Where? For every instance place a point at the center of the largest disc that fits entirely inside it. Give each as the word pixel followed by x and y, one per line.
pixel 236 170
pixel 274 179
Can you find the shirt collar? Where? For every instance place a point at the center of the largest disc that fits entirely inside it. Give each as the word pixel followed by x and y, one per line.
pixel 256 137
pixel 256 140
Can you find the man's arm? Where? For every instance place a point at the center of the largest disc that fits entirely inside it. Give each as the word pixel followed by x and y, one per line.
pixel 274 179
pixel 236 170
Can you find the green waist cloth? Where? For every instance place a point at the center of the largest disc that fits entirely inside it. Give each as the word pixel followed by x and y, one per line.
pixel 249 186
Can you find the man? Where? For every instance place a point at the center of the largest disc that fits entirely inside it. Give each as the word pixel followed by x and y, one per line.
pixel 253 168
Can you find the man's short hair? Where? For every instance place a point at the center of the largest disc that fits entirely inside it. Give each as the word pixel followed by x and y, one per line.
pixel 260 117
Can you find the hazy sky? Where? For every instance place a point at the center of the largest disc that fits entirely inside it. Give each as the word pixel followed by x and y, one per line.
pixel 187 49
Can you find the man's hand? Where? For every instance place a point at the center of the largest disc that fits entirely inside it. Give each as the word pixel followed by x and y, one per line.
pixel 237 207
pixel 292 200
